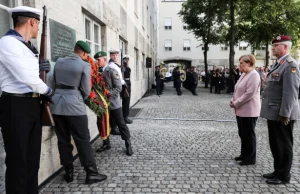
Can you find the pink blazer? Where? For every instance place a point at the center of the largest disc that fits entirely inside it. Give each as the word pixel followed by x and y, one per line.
pixel 246 97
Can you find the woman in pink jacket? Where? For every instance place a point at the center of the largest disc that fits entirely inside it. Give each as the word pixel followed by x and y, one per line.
pixel 246 103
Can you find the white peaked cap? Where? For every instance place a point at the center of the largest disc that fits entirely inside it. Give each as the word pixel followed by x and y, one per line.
pixel 25 11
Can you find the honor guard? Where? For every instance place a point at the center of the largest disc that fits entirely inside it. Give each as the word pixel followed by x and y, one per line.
pixel 126 98
pixel 280 107
pixel 20 103
pixel 71 78
pixel 113 79
pixel 177 81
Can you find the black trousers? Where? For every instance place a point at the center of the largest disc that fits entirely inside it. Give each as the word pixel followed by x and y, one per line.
pixel 77 126
pixel 158 86
pixel 178 90
pixel 117 119
pixel 125 106
pixel 246 127
pixel 281 145
pixel 20 121
pixel 193 88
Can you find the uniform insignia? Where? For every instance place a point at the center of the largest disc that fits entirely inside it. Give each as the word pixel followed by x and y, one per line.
pixel 278 38
pixel 281 62
pixel 293 69
pixel 275 74
pixel 117 76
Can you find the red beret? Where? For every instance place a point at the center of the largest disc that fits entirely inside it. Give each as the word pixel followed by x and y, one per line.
pixel 281 38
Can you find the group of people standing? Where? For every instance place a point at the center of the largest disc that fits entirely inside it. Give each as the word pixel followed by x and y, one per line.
pixel 71 85
pixel 279 106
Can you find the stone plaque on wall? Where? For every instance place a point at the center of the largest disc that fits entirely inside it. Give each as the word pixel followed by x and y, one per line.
pixel 62 40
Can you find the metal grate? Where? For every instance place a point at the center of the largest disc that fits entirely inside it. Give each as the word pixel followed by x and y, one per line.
pixel 134 112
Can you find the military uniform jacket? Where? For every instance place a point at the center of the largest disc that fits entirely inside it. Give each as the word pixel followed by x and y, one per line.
pixel 280 96
pixel 71 71
pixel 114 85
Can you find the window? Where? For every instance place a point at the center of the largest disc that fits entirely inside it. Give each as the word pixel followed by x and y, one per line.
pixel 137 66
pixel 6 21
pixel 186 45
pixel 203 48
pixel 168 45
pixel 185 26
pixel 224 48
pixel 261 48
pixel 243 46
pixel 168 23
pixel 123 49
pixel 92 35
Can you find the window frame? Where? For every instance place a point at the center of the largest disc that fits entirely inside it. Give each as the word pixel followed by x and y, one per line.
pixel 92 43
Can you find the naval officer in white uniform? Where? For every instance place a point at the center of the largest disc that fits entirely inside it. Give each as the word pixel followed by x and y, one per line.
pixel 20 101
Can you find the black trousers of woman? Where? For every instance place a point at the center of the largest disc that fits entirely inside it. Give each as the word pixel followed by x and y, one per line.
pixel 246 127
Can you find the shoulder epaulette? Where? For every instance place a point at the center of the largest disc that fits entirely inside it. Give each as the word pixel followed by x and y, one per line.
pixel 289 59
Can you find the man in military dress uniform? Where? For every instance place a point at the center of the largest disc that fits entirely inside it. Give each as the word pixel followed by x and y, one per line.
pixel 126 98
pixel 71 78
pixel 20 103
pixel 113 79
pixel 280 107
pixel 213 78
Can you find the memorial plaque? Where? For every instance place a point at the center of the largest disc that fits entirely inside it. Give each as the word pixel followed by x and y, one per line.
pixel 62 40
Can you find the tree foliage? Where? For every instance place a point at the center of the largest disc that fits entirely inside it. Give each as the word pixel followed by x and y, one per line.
pixel 204 19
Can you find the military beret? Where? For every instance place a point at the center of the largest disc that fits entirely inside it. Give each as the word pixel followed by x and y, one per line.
pixel 114 51
pixel 281 38
pixel 25 11
pixel 100 54
pixel 193 67
pixel 84 46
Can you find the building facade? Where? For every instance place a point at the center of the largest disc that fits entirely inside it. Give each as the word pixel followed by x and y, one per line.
pixel 176 43
pixel 128 25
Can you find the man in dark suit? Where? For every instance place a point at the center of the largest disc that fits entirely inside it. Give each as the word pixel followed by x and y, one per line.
pixel 71 80
pixel 194 81
pixel 280 107
pixel 158 80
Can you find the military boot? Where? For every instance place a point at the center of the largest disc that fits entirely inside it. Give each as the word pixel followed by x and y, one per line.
pixel 129 151
pixel 69 170
pixel 127 120
pixel 105 146
pixel 92 175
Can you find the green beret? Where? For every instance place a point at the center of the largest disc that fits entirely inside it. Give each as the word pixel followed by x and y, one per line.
pixel 84 46
pixel 100 54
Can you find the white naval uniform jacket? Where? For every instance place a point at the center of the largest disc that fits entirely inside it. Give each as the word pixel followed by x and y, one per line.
pixel 113 65
pixel 19 68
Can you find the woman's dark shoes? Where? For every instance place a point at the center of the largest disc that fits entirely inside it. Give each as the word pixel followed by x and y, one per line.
pixel 277 181
pixel 245 163
pixel 269 175
pixel 239 158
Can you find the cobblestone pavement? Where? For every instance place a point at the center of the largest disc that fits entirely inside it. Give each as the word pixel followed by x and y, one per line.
pixel 182 144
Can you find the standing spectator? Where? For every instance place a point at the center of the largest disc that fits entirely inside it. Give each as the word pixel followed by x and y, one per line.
pixel 246 103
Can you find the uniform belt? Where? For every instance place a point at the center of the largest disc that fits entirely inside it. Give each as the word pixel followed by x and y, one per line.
pixel 27 95
pixel 127 79
pixel 61 86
